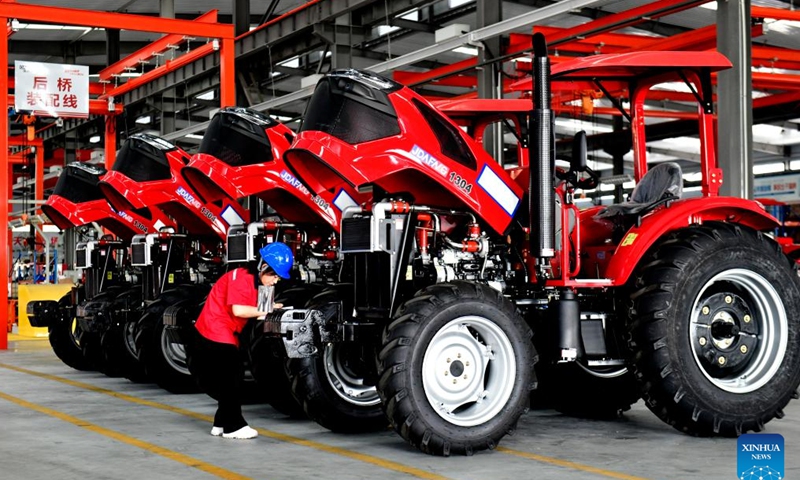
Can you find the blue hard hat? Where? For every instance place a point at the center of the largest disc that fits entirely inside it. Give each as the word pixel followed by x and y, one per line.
pixel 279 257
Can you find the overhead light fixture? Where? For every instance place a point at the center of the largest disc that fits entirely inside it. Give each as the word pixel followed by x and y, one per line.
pixel 293 62
pixel 194 136
pixel 143 120
pixel 382 30
pixel 209 95
pixel 467 51
pixel 787 27
pixel 576 125
pixel 120 75
pixel 17 25
pixel 763 168
pixel 94 139
pixel 413 15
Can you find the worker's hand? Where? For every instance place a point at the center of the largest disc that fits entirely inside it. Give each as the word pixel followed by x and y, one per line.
pixel 277 305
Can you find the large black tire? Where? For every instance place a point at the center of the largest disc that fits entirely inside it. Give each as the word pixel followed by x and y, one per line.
pixel 268 357
pixel 90 340
pixel 334 387
pixel 715 330
pixel 454 332
pixel 165 362
pixel 118 343
pixel 65 337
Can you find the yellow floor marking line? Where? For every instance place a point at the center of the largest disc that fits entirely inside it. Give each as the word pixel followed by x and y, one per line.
pixel 387 464
pixel 120 437
pixel 568 464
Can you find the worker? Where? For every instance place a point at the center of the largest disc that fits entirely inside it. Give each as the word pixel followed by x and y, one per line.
pixel 215 359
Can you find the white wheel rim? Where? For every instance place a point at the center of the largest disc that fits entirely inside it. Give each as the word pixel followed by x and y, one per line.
pixel 761 344
pixel 129 335
pixel 345 381
pixel 174 354
pixel 469 371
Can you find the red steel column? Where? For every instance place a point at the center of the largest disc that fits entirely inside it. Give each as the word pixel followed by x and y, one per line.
pixel 39 190
pixel 5 192
pixel 227 74
pixel 111 140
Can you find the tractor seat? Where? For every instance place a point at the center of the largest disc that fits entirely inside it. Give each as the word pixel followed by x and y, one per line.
pixel 661 183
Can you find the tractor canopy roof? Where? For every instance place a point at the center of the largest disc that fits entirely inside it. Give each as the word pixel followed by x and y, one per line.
pixel 630 66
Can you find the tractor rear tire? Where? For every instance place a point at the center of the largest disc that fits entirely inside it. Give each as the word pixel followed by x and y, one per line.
pixel 332 386
pixel 119 350
pixel 715 326
pixel 117 342
pixel 457 368
pixel 65 337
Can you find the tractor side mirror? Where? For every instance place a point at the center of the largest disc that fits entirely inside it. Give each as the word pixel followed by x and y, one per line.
pixel 578 162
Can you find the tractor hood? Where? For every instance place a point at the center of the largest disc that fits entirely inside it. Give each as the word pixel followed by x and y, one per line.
pixel 77 201
pixel 242 155
pixel 363 130
pixel 147 174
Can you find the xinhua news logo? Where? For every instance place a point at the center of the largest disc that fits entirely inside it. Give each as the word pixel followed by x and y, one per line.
pixel 760 456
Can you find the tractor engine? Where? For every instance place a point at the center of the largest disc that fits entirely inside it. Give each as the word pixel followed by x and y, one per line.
pixel 457 252
pixel 316 259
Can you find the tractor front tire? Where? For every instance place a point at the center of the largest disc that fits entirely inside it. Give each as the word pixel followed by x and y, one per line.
pixel 333 387
pixel 457 368
pixel 267 357
pixel 714 332
pixel 65 337
pixel 166 363
pixel 119 349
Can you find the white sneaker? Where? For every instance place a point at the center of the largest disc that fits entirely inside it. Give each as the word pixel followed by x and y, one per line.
pixel 216 431
pixel 243 433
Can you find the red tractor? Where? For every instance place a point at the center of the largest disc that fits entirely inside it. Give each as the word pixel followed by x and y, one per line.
pixel 77 201
pixel 176 265
pixel 458 262
pixel 241 156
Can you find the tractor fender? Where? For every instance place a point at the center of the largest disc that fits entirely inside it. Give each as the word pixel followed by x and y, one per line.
pixel 680 214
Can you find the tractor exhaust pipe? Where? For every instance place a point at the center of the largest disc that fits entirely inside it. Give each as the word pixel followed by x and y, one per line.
pixel 542 160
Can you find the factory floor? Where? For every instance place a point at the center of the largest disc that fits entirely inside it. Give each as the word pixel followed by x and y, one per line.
pixel 56 422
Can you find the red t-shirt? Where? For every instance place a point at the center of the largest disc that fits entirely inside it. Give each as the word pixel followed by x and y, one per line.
pixel 217 321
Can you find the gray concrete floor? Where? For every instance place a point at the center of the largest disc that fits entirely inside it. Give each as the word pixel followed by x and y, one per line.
pixel 60 423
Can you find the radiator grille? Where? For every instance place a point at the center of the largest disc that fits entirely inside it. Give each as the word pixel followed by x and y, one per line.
pixel 81 258
pixel 237 248
pixel 356 234
pixel 138 257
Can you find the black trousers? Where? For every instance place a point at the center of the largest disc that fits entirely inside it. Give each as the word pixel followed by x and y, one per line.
pixel 219 372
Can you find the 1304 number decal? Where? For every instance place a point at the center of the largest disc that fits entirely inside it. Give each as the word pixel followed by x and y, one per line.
pixel 460 182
